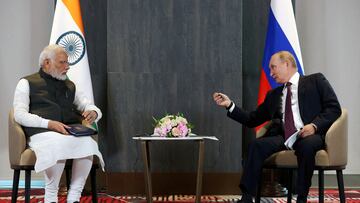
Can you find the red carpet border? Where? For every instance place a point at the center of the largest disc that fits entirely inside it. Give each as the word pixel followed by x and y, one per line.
pixel 37 196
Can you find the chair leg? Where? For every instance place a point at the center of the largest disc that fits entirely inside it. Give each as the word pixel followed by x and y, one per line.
pixel 27 185
pixel 340 180
pixel 67 176
pixel 93 184
pixel 258 193
pixel 289 187
pixel 321 186
pixel 15 185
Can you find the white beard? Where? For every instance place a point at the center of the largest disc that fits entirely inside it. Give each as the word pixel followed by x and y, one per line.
pixel 53 72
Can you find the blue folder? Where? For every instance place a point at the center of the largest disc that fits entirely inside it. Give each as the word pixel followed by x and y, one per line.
pixel 80 130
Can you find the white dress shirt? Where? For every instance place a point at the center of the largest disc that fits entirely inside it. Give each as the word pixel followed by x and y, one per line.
pixel 294 101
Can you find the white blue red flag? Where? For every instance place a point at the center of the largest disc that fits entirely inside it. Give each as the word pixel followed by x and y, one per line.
pixel 281 36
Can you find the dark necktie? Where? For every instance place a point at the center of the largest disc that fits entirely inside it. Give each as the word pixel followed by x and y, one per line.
pixel 289 126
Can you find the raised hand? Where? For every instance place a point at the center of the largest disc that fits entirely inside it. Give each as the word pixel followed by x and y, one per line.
pixel 221 99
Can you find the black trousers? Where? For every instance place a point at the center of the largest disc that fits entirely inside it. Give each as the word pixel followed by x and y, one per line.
pixel 260 149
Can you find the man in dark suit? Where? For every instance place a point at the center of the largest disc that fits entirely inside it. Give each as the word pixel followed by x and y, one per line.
pixel 307 104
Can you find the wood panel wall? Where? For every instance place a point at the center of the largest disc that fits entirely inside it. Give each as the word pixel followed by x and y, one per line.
pixel 152 57
pixel 169 56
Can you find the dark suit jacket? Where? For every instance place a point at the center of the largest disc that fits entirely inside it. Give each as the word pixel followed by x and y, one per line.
pixel 318 104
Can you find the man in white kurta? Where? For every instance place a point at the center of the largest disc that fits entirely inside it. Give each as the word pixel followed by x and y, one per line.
pixel 44 103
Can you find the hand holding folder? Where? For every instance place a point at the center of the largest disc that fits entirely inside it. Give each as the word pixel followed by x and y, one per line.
pixel 80 130
pixel 291 140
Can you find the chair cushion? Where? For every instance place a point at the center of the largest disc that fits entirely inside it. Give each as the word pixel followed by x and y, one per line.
pixel 287 159
pixel 28 158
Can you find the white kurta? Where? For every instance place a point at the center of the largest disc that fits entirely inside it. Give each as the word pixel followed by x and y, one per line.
pixel 49 147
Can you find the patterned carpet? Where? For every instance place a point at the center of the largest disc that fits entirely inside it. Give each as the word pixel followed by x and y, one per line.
pixel 37 196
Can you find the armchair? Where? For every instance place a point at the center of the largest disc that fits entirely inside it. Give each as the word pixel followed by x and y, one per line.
pixel 333 157
pixel 23 158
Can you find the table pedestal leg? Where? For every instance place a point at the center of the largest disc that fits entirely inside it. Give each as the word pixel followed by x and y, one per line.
pixel 147 172
pixel 200 171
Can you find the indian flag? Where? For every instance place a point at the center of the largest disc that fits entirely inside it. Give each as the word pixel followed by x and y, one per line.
pixel 68 31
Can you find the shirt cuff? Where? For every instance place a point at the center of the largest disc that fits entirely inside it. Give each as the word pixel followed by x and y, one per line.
pixel 97 110
pixel 44 123
pixel 231 107
pixel 315 127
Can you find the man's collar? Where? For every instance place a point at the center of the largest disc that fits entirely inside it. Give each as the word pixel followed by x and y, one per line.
pixel 295 79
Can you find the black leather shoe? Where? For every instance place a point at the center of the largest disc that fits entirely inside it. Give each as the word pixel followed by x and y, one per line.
pixel 301 199
pixel 245 198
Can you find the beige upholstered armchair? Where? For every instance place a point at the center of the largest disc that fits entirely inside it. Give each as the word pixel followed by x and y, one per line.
pixel 23 158
pixel 333 157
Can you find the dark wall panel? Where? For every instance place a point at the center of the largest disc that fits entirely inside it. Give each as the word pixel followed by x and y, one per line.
pixel 95 27
pixel 169 56
pixel 254 34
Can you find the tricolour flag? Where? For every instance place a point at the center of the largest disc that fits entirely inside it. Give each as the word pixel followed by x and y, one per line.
pixel 281 36
pixel 68 31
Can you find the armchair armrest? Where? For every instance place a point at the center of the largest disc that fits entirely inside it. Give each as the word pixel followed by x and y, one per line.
pixel 17 140
pixel 336 140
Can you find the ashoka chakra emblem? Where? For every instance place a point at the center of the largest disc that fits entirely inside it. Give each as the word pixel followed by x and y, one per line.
pixel 74 45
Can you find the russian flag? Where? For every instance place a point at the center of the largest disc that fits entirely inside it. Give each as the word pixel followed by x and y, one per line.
pixel 281 36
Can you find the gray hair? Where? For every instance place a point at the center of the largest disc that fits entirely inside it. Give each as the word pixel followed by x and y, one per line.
pixel 49 52
pixel 287 56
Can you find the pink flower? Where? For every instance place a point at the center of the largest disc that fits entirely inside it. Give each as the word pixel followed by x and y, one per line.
pixel 176 132
pixel 160 131
pixel 183 129
pixel 172 126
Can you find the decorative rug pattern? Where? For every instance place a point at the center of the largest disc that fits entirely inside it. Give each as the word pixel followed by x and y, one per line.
pixel 37 196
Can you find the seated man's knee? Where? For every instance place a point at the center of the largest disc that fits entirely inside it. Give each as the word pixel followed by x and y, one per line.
pixel 255 144
pixel 304 148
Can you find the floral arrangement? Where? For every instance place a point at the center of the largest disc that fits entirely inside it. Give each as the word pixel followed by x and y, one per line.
pixel 172 126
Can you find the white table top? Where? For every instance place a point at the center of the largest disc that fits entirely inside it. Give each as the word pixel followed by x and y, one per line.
pixel 193 137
